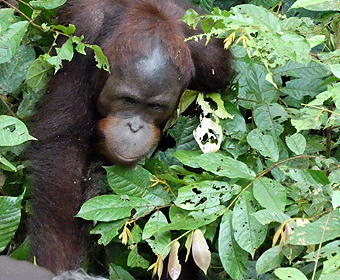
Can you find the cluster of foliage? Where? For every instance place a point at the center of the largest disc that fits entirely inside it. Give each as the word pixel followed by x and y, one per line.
pixel 251 188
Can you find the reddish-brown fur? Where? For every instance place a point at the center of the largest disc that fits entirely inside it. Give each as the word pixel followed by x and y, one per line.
pixel 65 124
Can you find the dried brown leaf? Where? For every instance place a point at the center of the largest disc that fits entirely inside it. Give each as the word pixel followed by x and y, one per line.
pixel 174 268
pixel 160 268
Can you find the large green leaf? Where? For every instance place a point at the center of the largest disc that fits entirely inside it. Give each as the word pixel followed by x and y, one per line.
pixel 108 208
pixel 233 258
pixel 322 230
pixel 204 194
pixel 136 181
pixel 13 132
pixel 108 230
pixel 317 5
pixel 289 273
pixel 10 40
pixel 270 194
pixel 249 233
pixel 159 240
pixel 10 214
pixel 47 4
pixel 269 260
pixel 264 144
pixel 13 72
pixel 217 163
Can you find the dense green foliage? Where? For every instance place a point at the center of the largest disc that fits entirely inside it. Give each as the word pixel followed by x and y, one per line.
pixel 264 203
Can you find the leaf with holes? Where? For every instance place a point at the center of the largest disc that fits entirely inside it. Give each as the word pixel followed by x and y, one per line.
pixel 233 258
pixel 13 132
pixel 264 144
pixel 249 233
pixel 157 240
pixel 204 194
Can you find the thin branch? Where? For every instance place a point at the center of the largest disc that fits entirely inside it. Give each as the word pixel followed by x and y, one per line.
pixel 30 21
pixel 329 134
pixel 320 245
pixel 264 172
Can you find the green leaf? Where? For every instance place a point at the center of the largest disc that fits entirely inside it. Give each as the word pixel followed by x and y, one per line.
pixel 269 260
pixel 136 260
pixel 268 118
pixel 188 98
pixel 136 181
pixel 37 74
pixel 235 127
pixel 222 165
pixel 103 63
pixel 317 5
pixel 155 221
pixel 209 101
pixel 47 4
pixel 335 68
pixel 160 239
pixel 303 87
pixel 182 133
pixel 309 118
pixel 10 40
pixel 248 232
pixel 191 18
pixel 247 15
pixel 13 132
pixel 108 230
pixel 6 19
pixel 332 264
pixel 64 53
pixel 23 251
pixel 264 144
pixel 289 273
pixel 136 235
pixel 316 40
pixel 313 70
pixel 10 214
pixel 118 273
pixel 188 158
pixel 253 85
pixel 204 194
pixel 331 93
pixel 330 249
pixel 316 177
pixel 70 29
pixel 80 45
pixel 216 163
pixel 191 220
pixel 270 194
pixel 336 199
pixel 6 163
pixel 267 216
pixel 108 208
pixel 322 230
pixel 233 258
pixel 27 105
pixel 13 72
pixel 296 143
